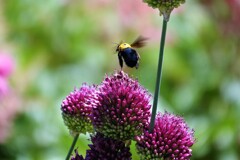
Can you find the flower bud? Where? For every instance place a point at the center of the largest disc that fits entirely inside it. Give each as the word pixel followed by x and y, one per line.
pixel 77 107
pixel 170 139
pixel 165 6
pixel 123 109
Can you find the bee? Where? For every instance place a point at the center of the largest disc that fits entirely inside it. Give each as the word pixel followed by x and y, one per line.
pixel 127 52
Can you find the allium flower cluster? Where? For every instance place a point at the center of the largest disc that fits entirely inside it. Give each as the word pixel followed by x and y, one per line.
pixel 123 109
pixel 77 107
pixel 170 139
pixel 165 6
pixel 118 111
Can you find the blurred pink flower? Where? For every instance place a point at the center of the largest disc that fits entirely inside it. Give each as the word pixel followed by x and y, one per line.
pixel 137 15
pixel 134 11
pixel 9 101
pixel 3 86
pixel 140 17
pixel 227 16
pixel 233 23
pixel 6 64
pixel 6 68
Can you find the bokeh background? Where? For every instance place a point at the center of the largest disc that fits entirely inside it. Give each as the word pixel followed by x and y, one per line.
pixel 48 47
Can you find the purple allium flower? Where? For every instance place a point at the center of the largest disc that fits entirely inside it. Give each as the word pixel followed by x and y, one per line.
pixel 104 148
pixel 77 107
pixel 170 139
pixel 77 156
pixel 123 109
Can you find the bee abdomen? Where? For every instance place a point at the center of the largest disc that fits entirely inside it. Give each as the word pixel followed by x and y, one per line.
pixel 130 57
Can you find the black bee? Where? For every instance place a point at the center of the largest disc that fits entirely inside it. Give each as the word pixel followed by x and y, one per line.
pixel 128 53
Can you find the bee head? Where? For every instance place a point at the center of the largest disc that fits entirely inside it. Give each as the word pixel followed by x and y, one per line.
pixel 123 46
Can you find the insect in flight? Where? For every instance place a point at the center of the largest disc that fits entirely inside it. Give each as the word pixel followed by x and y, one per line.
pixel 127 52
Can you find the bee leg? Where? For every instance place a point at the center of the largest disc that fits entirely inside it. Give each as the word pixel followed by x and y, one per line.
pixel 120 60
pixel 138 56
pixel 137 65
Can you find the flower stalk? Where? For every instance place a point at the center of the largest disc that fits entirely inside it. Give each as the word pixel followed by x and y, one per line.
pixel 159 75
pixel 72 146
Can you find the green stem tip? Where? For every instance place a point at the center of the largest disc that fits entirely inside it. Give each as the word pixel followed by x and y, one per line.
pixel 72 146
pixel 159 75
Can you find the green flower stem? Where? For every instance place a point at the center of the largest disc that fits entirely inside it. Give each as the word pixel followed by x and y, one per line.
pixel 159 75
pixel 72 146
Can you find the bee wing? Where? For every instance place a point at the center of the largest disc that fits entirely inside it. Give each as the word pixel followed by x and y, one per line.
pixel 139 42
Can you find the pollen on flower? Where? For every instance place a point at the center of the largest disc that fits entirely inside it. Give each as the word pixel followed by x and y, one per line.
pixel 76 109
pixel 123 109
pixel 170 139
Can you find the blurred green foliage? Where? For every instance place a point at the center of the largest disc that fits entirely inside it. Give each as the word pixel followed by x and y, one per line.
pixel 59 44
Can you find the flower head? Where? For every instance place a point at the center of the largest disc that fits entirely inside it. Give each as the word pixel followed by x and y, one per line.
pixel 165 6
pixel 123 109
pixel 77 107
pixel 107 148
pixel 170 139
